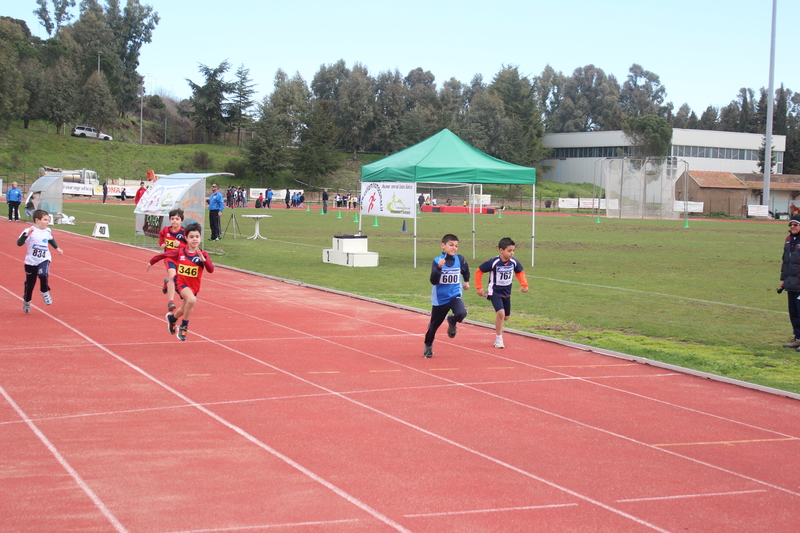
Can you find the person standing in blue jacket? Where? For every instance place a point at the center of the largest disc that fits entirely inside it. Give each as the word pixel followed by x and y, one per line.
pixel 13 198
pixel 447 272
pixel 216 204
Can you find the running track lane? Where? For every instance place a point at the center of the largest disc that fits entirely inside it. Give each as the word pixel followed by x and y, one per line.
pixel 293 409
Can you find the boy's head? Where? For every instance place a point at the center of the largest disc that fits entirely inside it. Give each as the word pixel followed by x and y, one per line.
pixel 507 247
pixel 449 244
pixel 176 213
pixel 41 218
pixel 194 234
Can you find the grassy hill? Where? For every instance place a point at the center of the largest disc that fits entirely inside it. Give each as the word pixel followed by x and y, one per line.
pixel 23 152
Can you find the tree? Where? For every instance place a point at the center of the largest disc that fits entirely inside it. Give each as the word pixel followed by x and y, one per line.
pixel 290 100
pixel 354 108
pixel 390 105
pixel 208 100
pixel 642 93
pixel 241 101
pixel 316 154
pixel 13 96
pixel 780 125
pixel 708 120
pixel 520 105
pixel 60 94
pixel 762 157
pixel 52 24
pixel 97 104
pixel 746 111
pixel 266 152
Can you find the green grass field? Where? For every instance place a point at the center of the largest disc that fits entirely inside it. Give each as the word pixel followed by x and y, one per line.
pixel 701 297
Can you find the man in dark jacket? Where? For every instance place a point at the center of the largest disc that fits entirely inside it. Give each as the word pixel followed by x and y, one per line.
pixel 790 278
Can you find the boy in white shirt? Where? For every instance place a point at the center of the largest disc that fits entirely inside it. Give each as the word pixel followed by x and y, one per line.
pixel 38 238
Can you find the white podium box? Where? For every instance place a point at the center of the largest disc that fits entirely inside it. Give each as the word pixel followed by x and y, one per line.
pixel 350 250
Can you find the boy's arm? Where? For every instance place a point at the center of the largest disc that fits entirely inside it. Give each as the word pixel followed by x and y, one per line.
pixel 207 264
pixel 523 281
pixel 464 272
pixel 23 237
pixel 52 242
pixel 436 270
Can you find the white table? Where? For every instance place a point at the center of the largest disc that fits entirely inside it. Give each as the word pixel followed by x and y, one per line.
pixel 257 218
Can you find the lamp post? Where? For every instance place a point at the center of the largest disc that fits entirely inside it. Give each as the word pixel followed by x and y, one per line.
pixel 141 109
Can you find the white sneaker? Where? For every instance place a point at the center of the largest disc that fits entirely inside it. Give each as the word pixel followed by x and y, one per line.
pixel 498 343
pixel 47 298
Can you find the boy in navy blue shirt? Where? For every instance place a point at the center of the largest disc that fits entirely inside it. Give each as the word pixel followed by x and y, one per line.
pixel 502 270
pixel 447 271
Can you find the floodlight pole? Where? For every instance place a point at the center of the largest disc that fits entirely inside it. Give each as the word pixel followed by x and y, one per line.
pixel 770 97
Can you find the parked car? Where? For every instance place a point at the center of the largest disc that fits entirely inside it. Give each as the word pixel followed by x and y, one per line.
pixel 86 131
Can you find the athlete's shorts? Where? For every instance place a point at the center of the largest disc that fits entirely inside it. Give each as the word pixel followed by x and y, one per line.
pixel 180 287
pixel 501 303
pixel 170 264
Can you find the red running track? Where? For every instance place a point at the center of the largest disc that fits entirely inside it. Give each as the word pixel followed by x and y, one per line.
pixel 294 409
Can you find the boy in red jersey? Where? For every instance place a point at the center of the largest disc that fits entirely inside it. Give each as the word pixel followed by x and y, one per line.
pixel 191 261
pixel 170 238
pixel 502 269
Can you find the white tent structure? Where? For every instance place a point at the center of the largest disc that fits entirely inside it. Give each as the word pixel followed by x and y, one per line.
pixel 185 191
pixel 46 193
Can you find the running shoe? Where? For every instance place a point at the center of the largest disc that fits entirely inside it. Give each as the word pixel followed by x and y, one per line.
pixel 171 321
pixel 171 306
pixel 47 298
pixel 498 343
pixel 452 328
pixel 182 333
pixel 428 352
pixel 164 288
pixel 26 306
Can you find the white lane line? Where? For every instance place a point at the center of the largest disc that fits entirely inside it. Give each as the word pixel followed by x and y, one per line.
pixel 650 293
pixel 65 464
pixel 499 510
pixel 682 496
pixel 267 526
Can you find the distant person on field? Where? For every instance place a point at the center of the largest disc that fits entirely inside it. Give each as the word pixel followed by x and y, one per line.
pixel 191 262
pixel 139 193
pixel 790 278
pixel 13 199
pixel 123 194
pixel 105 191
pixel 447 272
pixel 216 204
pixel 170 238
pixel 38 239
pixel 270 194
pixel 501 270
pixel 324 201
pixel 421 200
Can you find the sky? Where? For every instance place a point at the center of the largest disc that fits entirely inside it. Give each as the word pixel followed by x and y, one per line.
pixel 703 51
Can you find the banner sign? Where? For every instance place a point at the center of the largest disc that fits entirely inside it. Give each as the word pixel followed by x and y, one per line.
pixel 78 188
pixel 758 210
pixel 690 207
pixel 160 199
pixel 568 203
pixel 388 199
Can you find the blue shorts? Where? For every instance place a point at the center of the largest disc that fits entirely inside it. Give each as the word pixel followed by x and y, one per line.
pixel 500 302
pixel 171 264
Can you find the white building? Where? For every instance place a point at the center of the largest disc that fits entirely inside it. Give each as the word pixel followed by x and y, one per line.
pixel 575 156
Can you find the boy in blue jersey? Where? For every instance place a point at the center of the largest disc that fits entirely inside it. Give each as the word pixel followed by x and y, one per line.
pixel 446 273
pixel 502 270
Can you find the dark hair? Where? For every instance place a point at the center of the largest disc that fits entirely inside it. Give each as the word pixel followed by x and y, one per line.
pixel 194 226
pixel 505 242
pixel 449 237
pixel 39 214
pixel 176 212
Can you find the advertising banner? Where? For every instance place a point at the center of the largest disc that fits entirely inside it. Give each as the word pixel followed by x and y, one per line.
pixel 758 210
pixel 388 199
pixel 691 207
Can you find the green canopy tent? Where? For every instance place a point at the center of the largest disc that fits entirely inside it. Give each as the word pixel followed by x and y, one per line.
pixel 445 158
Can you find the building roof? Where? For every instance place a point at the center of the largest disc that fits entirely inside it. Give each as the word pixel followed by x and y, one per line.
pixel 777 182
pixel 716 180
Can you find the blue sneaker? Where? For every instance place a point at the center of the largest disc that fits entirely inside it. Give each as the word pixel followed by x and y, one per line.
pixel 171 321
pixel 182 333
pixel 47 298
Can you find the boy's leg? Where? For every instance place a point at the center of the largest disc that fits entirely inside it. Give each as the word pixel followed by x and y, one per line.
pixel 43 273
pixel 438 314
pixel 459 314
pixel 171 289
pixel 30 283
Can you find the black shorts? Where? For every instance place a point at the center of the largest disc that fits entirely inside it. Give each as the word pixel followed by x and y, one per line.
pixel 500 302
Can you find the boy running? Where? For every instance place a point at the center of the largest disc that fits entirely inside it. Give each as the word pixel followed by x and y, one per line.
pixel 170 238
pixel 501 271
pixel 39 238
pixel 190 262
pixel 447 271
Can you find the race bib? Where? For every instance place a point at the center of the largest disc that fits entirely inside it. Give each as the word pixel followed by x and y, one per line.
pixel 172 244
pixel 39 253
pixel 450 276
pixel 505 274
pixel 188 271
